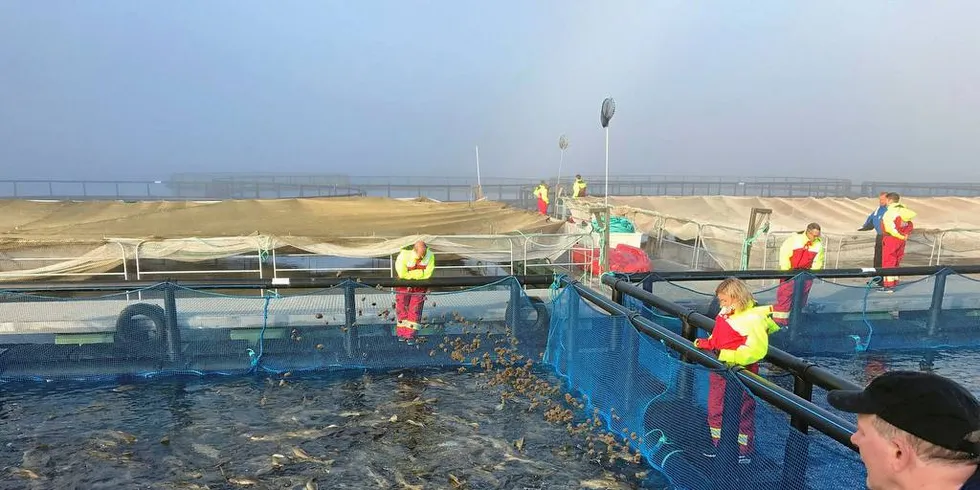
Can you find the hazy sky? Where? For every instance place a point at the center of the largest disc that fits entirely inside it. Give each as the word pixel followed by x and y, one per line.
pixel 139 89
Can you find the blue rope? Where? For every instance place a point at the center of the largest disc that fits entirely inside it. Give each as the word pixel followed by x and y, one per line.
pixel 860 346
pixel 255 358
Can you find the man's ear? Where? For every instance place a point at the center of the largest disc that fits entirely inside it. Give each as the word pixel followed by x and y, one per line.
pixel 901 454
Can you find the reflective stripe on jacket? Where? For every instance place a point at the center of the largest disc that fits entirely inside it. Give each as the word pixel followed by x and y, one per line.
pixel 799 252
pixel 897 221
pixel 742 338
pixel 408 265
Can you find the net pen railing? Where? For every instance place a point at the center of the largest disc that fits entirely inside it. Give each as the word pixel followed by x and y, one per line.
pixel 651 386
pixel 844 311
pixel 105 330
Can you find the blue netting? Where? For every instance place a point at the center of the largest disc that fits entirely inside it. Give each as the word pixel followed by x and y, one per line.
pixel 658 404
pixel 847 315
pixel 351 326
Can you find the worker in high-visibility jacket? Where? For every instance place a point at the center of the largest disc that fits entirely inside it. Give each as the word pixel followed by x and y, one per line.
pixel 413 263
pixel 897 226
pixel 541 192
pixel 741 338
pixel 802 251
pixel 578 188
pixel 874 223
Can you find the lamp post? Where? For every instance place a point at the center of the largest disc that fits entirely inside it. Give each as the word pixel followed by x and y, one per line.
pixel 562 146
pixel 605 115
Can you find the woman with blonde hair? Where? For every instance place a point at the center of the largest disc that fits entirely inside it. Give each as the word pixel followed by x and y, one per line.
pixel 741 338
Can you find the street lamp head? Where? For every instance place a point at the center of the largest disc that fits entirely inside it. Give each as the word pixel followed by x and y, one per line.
pixel 607 111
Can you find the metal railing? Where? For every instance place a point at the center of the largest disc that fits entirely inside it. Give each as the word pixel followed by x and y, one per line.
pixel 939 273
pixel 252 186
pixel 699 254
pixel 802 411
pixel 806 374
pixel 515 260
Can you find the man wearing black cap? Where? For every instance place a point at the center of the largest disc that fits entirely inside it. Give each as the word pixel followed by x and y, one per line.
pixel 915 430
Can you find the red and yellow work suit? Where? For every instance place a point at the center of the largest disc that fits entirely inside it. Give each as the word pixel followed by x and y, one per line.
pixel 797 253
pixel 742 339
pixel 410 300
pixel 541 192
pixel 896 225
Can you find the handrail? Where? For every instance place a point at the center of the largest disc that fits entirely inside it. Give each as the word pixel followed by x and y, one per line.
pixel 301 283
pixel 806 370
pixel 799 408
pixel 820 274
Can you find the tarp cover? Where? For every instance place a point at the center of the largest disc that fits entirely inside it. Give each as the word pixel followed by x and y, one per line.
pixel 947 229
pixel 93 236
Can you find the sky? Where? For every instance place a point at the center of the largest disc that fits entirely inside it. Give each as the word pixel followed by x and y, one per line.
pixel 117 89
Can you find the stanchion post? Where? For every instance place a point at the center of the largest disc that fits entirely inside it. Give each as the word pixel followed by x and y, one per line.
pixel 936 307
pixel 804 390
pixel 170 315
pixel 350 318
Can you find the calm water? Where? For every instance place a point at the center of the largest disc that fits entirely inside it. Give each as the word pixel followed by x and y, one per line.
pixel 410 430
pixel 962 365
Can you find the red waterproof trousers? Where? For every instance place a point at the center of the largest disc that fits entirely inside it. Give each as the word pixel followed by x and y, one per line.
pixel 408 310
pixel 716 407
pixel 542 206
pixel 892 252
pixel 784 299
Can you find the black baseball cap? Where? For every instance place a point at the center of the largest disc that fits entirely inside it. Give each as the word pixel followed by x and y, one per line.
pixel 926 405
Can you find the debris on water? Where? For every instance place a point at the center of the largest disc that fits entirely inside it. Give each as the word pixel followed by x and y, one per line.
pixel 279 459
pixel 455 481
pixel 407 429
pixel 243 482
pixel 24 473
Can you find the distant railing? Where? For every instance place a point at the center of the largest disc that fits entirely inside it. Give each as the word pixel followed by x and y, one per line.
pixel 514 191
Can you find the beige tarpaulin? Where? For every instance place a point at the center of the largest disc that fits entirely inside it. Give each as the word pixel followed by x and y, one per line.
pixel 947 228
pixel 94 236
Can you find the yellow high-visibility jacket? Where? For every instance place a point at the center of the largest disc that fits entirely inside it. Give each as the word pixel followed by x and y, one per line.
pixel 799 252
pixel 541 192
pixel 578 188
pixel 409 266
pixel 742 338
pixel 897 221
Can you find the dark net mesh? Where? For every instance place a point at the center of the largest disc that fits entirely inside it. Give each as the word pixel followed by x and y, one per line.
pixel 207 332
pixel 658 404
pixel 851 315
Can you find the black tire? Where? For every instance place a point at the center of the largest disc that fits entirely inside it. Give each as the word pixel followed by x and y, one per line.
pixel 130 333
pixel 533 322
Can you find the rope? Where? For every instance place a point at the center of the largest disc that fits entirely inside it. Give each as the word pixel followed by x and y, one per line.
pixel 860 346
pixel 747 243
pixel 255 358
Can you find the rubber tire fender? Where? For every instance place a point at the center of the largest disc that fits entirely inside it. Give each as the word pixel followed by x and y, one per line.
pixel 534 332
pixel 129 333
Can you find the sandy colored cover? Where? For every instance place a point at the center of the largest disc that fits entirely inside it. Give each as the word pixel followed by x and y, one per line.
pixel 90 236
pixel 947 229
